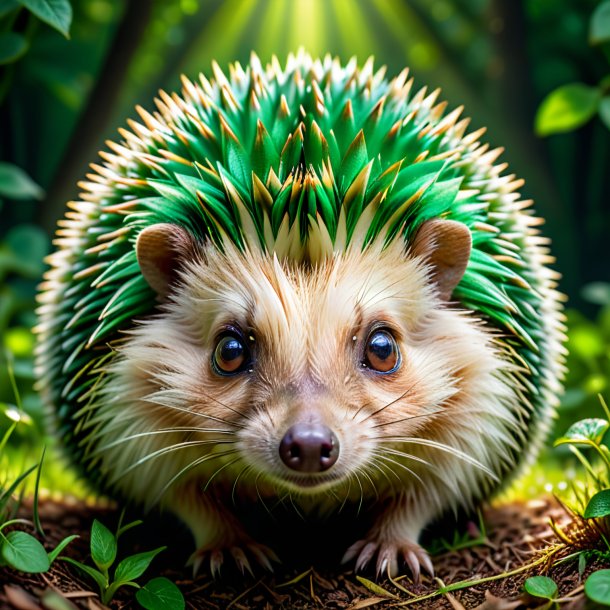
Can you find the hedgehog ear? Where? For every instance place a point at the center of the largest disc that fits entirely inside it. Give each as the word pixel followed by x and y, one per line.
pixel 445 245
pixel 160 250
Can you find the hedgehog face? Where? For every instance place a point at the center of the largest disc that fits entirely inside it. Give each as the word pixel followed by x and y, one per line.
pixel 311 343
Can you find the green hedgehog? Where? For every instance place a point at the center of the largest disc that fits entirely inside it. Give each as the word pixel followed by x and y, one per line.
pixel 304 283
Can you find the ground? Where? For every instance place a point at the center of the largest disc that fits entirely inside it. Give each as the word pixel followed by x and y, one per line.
pixel 517 535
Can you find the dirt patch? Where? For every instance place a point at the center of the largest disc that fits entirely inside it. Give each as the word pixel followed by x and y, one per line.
pixel 517 534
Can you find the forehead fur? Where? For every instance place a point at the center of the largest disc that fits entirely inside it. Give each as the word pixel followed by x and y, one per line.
pixel 257 291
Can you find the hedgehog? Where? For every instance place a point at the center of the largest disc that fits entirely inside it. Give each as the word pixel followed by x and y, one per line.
pixel 307 285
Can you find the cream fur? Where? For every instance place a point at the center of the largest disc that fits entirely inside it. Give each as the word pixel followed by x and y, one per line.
pixel 454 388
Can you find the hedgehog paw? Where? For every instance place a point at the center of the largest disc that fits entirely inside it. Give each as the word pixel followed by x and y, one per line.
pixel 389 553
pixel 242 555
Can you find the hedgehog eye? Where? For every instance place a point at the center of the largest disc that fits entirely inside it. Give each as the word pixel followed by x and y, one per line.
pixel 230 355
pixel 381 353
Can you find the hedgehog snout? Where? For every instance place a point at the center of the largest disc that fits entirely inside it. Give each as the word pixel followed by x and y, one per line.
pixel 309 447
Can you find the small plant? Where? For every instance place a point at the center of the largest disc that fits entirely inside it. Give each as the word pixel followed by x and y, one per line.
pixel 18 549
pixel 21 551
pixel 589 503
pixel 474 535
pixel 157 594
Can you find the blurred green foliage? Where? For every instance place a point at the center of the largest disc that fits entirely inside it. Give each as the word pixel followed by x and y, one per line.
pixel 574 104
pixel 588 363
pixel 69 78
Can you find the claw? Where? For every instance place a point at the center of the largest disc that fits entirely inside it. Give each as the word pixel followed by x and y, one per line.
pixel 413 563
pixel 389 553
pixel 366 555
pixel 352 551
pixel 263 554
pixel 242 556
pixel 216 561
pixel 195 560
pixel 426 563
pixel 387 563
pixel 241 560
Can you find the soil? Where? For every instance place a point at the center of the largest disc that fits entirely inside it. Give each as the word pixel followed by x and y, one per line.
pixel 517 535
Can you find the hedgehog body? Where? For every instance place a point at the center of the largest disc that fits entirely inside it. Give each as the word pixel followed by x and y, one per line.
pixel 301 282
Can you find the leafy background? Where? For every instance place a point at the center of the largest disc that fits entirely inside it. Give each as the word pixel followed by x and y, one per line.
pixel 534 72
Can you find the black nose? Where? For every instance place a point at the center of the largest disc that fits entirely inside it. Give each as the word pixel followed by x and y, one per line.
pixel 309 448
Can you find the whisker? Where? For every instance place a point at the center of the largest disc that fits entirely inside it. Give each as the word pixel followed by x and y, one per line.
pixel 361 493
pixel 408 418
pixel 382 469
pixel 219 470
pixel 400 465
pixel 362 406
pixel 258 493
pixel 132 437
pixel 389 404
pixel 349 488
pixel 298 512
pixel 209 397
pixel 408 456
pixel 243 471
pixel 370 480
pixel 331 493
pixel 243 414
pixel 426 442
pixel 188 467
pixel 151 399
pixel 159 453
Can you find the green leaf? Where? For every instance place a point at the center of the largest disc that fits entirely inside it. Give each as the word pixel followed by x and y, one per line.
pixel 124 528
pixel 60 547
pixel 8 492
pixel 604 110
pixel 16 184
pixel 585 431
pixel 375 588
pixel 599 26
pixel 37 523
pixel 56 13
pixel 566 108
pixel 599 505
pixel 133 567
pixel 23 552
pixel 582 563
pixel 160 594
pixel 597 587
pixel 541 586
pixel 12 47
pixel 95 574
pixel 103 545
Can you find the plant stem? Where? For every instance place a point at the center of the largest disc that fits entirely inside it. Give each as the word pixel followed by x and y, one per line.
pixel 13 522
pixel 583 460
pixel 464 584
pixel 7 435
